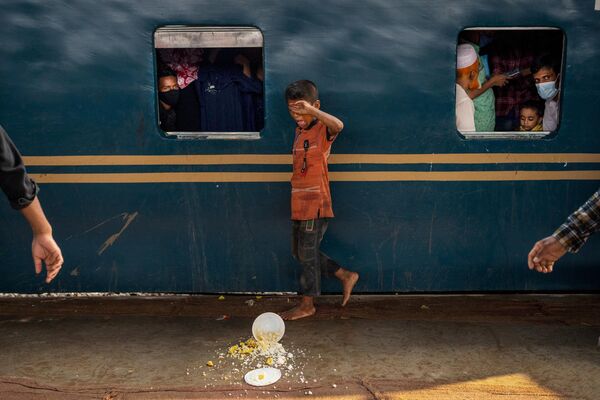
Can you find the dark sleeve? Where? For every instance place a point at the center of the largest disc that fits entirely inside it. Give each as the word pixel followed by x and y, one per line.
pixel 246 84
pixel 14 181
pixel 251 85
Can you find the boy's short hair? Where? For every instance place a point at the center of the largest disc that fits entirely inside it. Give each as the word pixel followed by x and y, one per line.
pixel 534 105
pixel 545 61
pixel 302 90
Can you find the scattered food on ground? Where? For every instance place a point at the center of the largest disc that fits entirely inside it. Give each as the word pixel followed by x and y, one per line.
pixel 232 363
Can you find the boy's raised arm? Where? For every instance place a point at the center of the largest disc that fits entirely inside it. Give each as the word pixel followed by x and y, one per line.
pixel 334 125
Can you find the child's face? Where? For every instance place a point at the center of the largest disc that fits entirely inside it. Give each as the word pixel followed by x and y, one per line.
pixel 302 120
pixel 529 118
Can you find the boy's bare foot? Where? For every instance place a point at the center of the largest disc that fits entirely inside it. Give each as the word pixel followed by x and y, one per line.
pixel 297 313
pixel 349 279
pixel 306 308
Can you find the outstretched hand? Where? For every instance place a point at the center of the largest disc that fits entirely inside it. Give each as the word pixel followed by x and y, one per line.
pixel 44 248
pixel 499 80
pixel 544 254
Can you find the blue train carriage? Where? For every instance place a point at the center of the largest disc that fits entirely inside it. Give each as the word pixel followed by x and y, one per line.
pixel 419 206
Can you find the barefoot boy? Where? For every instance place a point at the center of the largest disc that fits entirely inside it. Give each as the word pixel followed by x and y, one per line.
pixel 311 199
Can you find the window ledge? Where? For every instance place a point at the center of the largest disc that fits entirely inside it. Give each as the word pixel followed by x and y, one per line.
pixel 504 135
pixel 214 135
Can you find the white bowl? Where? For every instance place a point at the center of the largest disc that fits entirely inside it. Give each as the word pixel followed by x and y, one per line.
pixel 268 327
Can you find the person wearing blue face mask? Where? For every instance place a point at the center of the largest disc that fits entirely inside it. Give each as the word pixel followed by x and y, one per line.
pixel 546 75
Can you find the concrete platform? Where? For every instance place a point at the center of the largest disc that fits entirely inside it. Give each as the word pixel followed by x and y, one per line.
pixel 379 347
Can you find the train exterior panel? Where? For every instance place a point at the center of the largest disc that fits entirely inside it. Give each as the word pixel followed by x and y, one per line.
pixel 418 207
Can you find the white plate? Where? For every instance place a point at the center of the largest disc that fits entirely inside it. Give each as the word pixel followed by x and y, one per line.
pixel 262 376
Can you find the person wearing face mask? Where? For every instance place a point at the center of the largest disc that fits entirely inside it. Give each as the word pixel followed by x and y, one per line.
pixel 546 75
pixel 467 71
pixel 168 96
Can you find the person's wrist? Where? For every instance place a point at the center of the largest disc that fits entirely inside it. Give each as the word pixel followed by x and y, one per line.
pixel 42 229
pixel 561 240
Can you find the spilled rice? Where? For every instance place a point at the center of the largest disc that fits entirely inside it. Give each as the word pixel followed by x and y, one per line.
pixel 230 366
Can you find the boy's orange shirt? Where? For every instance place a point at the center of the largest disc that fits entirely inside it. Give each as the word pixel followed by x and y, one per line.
pixel 311 197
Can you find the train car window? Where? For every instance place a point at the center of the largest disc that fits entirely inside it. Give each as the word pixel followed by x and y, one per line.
pixel 209 82
pixel 508 82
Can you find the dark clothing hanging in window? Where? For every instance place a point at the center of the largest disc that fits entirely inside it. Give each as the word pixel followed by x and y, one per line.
pixel 168 119
pixel 220 90
pixel 259 102
pixel 188 110
pixel 14 181
pixel 252 109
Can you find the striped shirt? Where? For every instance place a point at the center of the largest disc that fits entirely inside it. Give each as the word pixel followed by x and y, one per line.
pixel 580 225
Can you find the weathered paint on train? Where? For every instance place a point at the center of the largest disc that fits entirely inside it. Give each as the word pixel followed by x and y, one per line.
pixel 423 210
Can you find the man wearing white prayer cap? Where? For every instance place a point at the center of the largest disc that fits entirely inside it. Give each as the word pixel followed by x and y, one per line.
pixel 467 69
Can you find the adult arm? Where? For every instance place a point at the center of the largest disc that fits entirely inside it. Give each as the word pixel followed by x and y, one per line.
pixel 580 225
pixel 495 80
pixel 43 246
pixel 21 192
pixel 570 236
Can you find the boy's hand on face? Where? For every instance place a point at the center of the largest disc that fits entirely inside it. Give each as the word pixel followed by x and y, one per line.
pixel 302 107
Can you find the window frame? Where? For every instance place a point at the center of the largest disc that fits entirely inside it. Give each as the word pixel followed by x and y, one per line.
pixel 516 135
pixel 195 36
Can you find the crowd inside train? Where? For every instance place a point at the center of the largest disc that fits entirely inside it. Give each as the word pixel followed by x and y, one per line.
pixel 508 81
pixel 210 90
